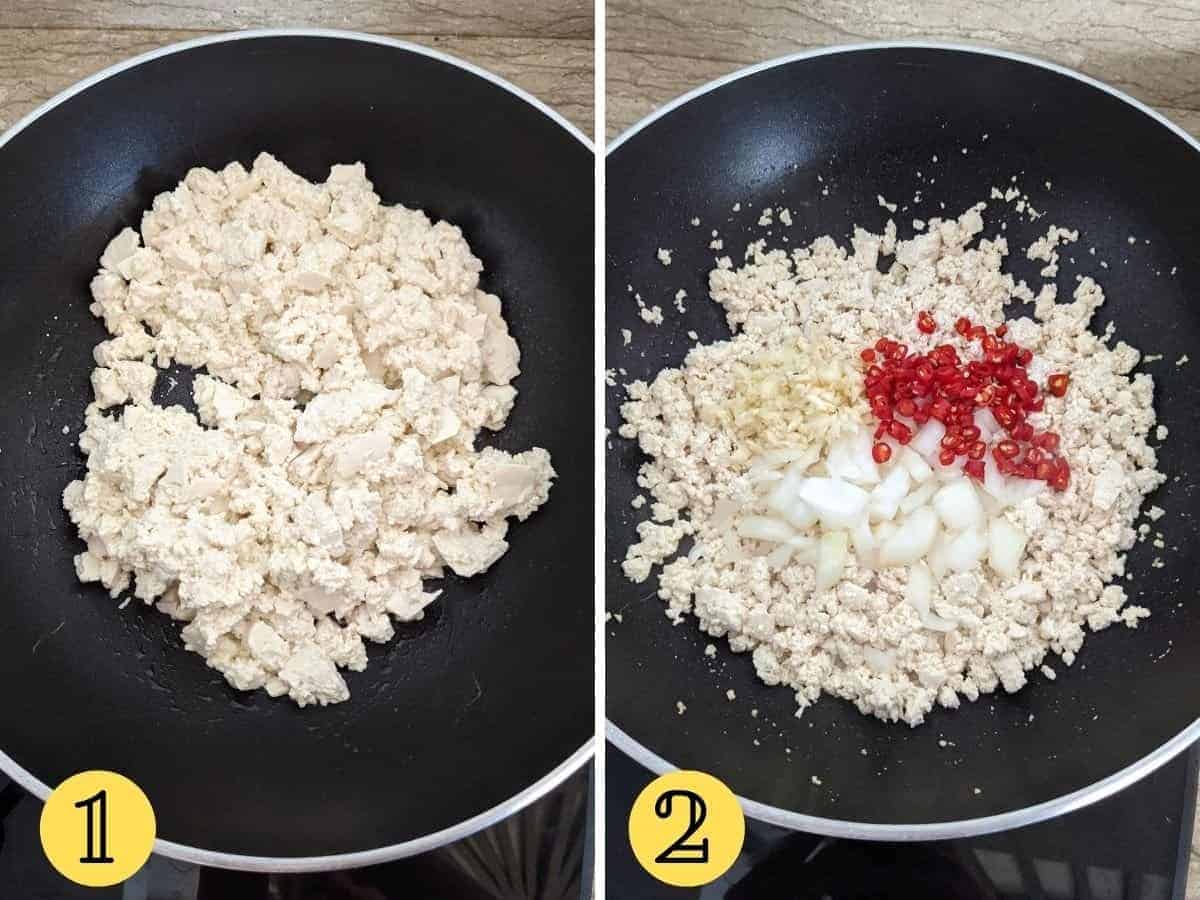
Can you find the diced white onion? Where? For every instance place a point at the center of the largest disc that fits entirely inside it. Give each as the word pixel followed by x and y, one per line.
pixel 1021 489
pixel 805 549
pixel 919 497
pixel 838 503
pixel 919 590
pixel 831 559
pixel 958 506
pixel 1006 546
pixel 912 539
pixel 987 424
pixel 993 482
pixel 928 438
pixel 864 544
pixel 780 556
pixel 917 467
pixel 966 550
pixel 762 528
pixel 886 496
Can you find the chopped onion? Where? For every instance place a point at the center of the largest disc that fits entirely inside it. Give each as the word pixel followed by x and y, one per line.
pixel 993 482
pixel 861 445
pixel 912 539
pixel 761 528
pixel 958 505
pixel 919 497
pixel 864 543
pixel 950 472
pixel 966 550
pixel 917 467
pixel 849 458
pixel 991 506
pixel 780 556
pixel 838 503
pixel 884 531
pixel 1006 546
pixel 928 438
pixel 919 590
pixel 1021 489
pixel 918 594
pixel 831 559
pixel 760 478
pixel 987 424
pixel 936 558
pixel 886 496
pixel 805 548
pixel 785 493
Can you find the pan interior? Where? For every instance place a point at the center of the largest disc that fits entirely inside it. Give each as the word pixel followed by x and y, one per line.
pixel 459 712
pixel 825 136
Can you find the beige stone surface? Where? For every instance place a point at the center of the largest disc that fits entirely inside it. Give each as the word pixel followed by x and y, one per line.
pixel 545 48
pixel 658 49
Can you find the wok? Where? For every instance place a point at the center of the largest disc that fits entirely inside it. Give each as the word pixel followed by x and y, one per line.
pixel 463 717
pixel 867 120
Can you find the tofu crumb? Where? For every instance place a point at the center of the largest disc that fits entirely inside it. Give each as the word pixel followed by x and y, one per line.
pixel 638 502
pixel 817 781
pixel 680 707
pixel 978 791
pixel 652 316
pixel 710 650
pixel 785 216
pixel 1156 513
pixel 693 335
pixel 754 713
pixel 1049 672
pixel 731 694
pixel 626 337
pixel 695 221
pixel 1161 432
pixel 890 207
pixel 664 256
pixel 737 207
pixel 680 296
pixel 1183 360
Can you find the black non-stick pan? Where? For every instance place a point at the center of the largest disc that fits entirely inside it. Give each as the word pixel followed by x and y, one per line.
pixel 859 122
pixel 464 716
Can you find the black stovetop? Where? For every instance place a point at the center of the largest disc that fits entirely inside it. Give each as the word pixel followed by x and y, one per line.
pixel 539 853
pixel 1132 846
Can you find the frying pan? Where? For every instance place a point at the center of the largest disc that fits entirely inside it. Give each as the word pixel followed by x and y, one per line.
pixel 465 716
pixel 866 120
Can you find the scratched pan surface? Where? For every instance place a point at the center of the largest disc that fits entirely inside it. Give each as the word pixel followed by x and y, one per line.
pixel 861 123
pixel 459 713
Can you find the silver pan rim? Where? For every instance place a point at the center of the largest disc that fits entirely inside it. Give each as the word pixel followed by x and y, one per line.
pixel 500 811
pixel 932 831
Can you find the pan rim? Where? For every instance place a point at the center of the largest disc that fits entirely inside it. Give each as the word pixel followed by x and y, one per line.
pixel 482 820
pixel 1017 818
